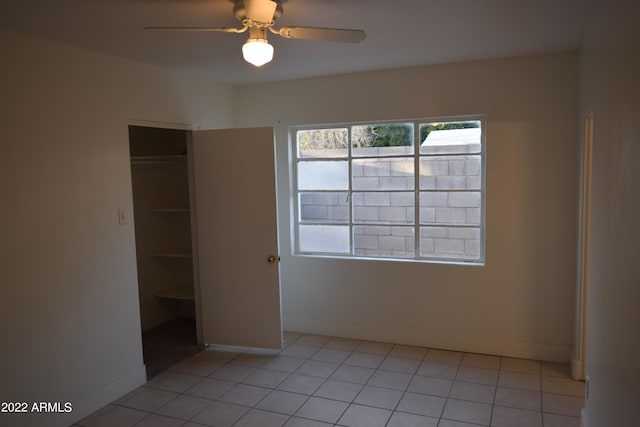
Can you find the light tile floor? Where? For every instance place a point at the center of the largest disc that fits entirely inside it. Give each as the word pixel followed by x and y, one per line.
pixel 328 381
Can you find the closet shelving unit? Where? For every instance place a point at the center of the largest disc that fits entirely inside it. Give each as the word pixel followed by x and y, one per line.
pixel 163 228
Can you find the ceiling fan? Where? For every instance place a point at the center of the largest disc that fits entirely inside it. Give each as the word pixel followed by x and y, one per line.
pixel 258 16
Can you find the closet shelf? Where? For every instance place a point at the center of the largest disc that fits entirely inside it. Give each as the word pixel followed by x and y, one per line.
pixel 172 255
pixel 177 293
pixel 157 160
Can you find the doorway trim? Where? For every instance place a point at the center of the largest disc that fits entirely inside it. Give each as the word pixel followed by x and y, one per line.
pixel 579 359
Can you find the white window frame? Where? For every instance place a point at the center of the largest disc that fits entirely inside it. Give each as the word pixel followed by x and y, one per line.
pixel 417 156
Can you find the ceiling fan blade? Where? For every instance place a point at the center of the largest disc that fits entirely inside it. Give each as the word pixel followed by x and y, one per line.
pixel 261 11
pixel 204 29
pixel 328 34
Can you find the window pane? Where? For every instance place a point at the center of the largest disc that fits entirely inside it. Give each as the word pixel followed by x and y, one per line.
pixel 450 173
pixel 450 137
pixel 384 208
pixel 383 174
pixel 323 207
pixel 382 139
pixel 450 242
pixel 324 239
pixel 450 207
pixel 380 241
pixel 322 143
pixel 323 175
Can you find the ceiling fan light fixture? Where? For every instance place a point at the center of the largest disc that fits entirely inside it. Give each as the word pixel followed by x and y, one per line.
pixel 257 52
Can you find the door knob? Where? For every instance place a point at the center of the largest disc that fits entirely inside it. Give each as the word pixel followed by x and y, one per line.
pixel 272 259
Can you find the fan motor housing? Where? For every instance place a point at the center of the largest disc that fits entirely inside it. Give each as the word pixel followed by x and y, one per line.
pixel 240 11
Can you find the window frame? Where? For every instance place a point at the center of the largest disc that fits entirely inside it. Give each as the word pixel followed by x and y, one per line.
pixel 416 157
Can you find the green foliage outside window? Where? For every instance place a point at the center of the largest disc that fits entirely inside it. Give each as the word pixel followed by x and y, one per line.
pixel 383 135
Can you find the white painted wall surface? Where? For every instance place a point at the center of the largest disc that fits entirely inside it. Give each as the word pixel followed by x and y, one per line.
pixel 69 317
pixel 611 91
pixel 521 303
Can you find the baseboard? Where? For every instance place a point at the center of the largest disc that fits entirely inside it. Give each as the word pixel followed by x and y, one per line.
pixel 420 337
pixel 91 402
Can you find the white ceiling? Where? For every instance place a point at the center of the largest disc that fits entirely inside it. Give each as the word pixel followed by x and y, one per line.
pixel 399 33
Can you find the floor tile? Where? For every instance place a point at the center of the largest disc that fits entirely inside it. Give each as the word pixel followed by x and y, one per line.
pixel 452 423
pixel 252 359
pixel 320 409
pixel 245 395
pixel 523 366
pixel 566 386
pixel 521 381
pixel 352 374
pixel 316 368
pixel 219 355
pixel 220 414
pixel 364 416
pixel 259 418
pixel 474 392
pixel 148 399
pixel 443 356
pixel 284 363
pixel 402 419
pixel 112 415
pixel 289 337
pixel 560 370
pixel 343 343
pixel 483 361
pixel 561 404
pixel 379 397
pixel 303 422
pixel 155 420
pixel 381 348
pixel 555 420
pixel 331 355
pixel 301 384
pixel 265 378
pixel 339 390
pixel 210 388
pixel 299 350
pixel 173 381
pixel 522 399
pixel 408 352
pixel 365 360
pixel 233 373
pixel 387 379
pixel 318 380
pixel 313 339
pixel 477 375
pixel 397 364
pixel 438 370
pixel 422 404
pixel 468 412
pixel 430 385
pixel 184 407
pixel 510 417
pixel 282 402
pixel 197 366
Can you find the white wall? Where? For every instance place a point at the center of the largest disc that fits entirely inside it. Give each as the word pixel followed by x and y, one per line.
pixel 69 316
pixel 521 302
pixel 611 91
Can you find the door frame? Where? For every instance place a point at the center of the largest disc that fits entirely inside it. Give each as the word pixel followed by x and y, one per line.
pixel 579 359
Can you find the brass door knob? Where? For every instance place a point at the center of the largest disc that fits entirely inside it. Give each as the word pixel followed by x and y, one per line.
pixel 272 259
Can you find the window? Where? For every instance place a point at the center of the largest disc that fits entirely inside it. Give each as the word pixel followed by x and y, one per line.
pixel 399 190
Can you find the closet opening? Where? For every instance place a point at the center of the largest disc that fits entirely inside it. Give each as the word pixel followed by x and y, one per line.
pixel 164 253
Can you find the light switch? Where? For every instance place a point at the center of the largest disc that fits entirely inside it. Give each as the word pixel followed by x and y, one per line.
pixel 122 216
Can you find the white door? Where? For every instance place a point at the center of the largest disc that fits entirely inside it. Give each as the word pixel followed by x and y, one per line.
pixel 237 244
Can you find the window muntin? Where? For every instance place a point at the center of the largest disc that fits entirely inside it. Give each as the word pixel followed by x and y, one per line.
pixel 399 190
